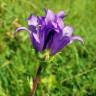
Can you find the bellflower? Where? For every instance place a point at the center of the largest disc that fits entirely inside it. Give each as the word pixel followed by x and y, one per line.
pixel 49 32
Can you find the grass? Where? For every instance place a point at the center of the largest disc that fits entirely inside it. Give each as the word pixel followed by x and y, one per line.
pixel 71 73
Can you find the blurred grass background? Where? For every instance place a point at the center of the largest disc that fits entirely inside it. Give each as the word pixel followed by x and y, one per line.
pixel 71 73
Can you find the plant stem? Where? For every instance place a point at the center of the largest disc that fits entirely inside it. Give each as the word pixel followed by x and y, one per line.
pixel 36 81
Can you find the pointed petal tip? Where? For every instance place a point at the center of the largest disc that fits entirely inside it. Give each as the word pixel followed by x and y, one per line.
pixel 20 29
pixel 61 14
pixel 80 39
pixel 75 38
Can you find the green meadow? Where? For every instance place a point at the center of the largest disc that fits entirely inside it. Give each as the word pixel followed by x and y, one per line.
pixel 71 72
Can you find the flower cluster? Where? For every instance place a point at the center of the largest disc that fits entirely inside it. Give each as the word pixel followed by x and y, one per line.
pixel 49 32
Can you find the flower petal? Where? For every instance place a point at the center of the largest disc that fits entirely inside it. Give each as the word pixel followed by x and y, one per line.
pixel 50 16
pixel 33 36
pixel 41 20
pixel 36 37
pixel 67 31
pixel 61 14
pixel 49 39
pixel 22 28
pixel 36 45
pixel 60 23
pixel 32 29
pixel 59 43
pixel 32 20
pixel 75 38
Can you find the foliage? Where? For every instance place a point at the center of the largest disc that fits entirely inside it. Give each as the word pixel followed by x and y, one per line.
pixel 72 72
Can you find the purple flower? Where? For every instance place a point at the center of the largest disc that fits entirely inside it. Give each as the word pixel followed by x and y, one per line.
pixel 49 32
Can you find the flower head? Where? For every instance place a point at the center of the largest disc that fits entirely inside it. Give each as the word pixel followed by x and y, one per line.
pixel 49 32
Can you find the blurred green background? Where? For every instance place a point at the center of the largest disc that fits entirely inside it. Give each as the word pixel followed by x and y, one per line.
pixel 71 73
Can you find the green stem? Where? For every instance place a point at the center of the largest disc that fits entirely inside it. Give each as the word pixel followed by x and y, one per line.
pixel 37 78
pixel 36 81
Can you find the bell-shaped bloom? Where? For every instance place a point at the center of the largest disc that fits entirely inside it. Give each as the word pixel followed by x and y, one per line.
pixel 49 32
